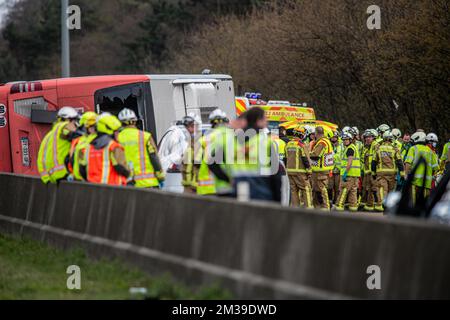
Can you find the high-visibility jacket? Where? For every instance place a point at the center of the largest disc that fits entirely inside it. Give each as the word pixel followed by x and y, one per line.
pixel 137 145
pixel 404 150
pixel 52 154
pixel 188 171
pixel 360 146
pixel 445 157
pixel 326 156
pixel 386 156
pixel 366 158
pixel 338 152
pixel 254 157
pixel 398 145
pixel 223 146
pixel 424 171
pixel 100 166
pixel 281 147
pixel 355 169
pixel 295 151
pixel 77 145
pixel 206 182
pixel 376 142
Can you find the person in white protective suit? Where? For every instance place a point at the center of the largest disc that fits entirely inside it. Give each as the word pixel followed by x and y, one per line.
pixel 173 147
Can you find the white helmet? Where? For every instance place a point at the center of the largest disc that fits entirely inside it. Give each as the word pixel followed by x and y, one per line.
pixel 432 137
pixel 217 115
pixel 419 137
pixel 309 130
pixel 396 133
pixel 198 120
pixel 68 113
pixel 127 115
pixel 375 133
pixel 388 135
pixel 371 133
pixel 347 136
pixel 383 128
pixel 356 130
pixel 346 129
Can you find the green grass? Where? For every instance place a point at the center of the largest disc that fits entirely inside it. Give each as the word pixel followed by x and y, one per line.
pixel 31 270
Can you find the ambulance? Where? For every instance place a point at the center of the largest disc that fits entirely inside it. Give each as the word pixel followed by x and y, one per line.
pixel 278 114
pixel 28 109
pixel 242 105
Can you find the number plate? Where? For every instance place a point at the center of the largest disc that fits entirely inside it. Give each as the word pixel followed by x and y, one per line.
pixel 25 152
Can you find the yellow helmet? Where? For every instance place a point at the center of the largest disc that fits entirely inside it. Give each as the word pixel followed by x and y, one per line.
pixel 108 124
pixel 300 132
pixel 88 119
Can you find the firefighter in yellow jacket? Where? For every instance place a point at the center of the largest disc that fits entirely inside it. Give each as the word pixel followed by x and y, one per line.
pixel 335 181
pixel 141 153
pixel 298 166
pixel 369 189
pixel 53 155
pixel 387 160
pixel 350 174
pixel 322 160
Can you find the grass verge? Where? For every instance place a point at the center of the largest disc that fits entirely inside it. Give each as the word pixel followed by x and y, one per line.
pixel 30 270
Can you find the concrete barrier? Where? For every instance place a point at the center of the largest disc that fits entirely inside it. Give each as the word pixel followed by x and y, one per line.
pixel 256 250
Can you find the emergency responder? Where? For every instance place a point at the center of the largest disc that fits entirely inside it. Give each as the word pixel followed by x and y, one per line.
pixel 257 165
pixel 381 130
pixel 281 147
pixel 87 124
pixel 310 136
pixel 445 158
pixel 432 143
pixel 350 174
pixel 53 155
pixel 322 162
pixel 335 181
pixel 422 180
pixel 386 161
pixel 368 185
pixel 141 153
pixel 299 169
pixel 204 154
pixel 397 134
pixel 283 134
pixel 103 160
pixel 359 144
pixel 223 153
pixel 188 170
pixel 406 144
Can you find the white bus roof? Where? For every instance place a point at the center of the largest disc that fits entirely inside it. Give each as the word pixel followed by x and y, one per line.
pixel 189 76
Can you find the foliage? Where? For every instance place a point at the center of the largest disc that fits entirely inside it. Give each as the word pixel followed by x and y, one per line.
pixel 320 52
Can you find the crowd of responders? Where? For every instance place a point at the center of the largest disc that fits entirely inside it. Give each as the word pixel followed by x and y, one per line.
pixel 327 170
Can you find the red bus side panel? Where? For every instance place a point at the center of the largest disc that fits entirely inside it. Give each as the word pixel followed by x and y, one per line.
pixel 5 146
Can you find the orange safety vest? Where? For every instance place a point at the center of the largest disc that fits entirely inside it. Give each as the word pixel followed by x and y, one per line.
pixel 73 145
pixel 99 166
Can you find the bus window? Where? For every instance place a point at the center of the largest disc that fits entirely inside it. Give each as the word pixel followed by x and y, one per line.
pixel 115 99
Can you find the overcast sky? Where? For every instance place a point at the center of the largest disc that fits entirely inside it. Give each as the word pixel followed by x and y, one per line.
pixel 2 10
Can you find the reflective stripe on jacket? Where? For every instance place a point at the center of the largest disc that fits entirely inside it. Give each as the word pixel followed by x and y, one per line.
pixel 355 169
pixel 136 143
pixel 100 168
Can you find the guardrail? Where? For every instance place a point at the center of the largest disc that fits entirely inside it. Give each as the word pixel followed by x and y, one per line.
pixel 256 250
